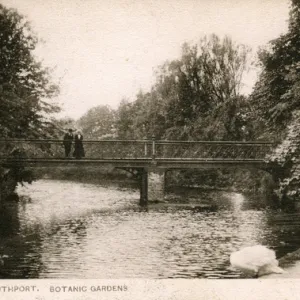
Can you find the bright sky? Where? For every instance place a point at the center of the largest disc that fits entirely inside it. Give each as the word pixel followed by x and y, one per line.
pixel 105 50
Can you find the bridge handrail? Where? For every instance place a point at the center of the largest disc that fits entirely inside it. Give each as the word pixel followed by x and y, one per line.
pixel 161 142
pixel 216 142
pixel 128 148
pixel 61 140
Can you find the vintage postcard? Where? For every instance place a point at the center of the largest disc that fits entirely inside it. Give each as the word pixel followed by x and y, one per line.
pixel 149 149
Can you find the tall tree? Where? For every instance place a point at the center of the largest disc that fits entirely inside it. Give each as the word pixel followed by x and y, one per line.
pixel 276 102
pixel 25 85
pixel 197 96
pixel 25 92
pixel 207 77
pixel 277 92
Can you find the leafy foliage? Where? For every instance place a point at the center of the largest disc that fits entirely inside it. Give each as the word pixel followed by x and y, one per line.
pixel 277 92
pixel 194 97
pixel 276 101
pixel 285 162
pixel 25 90
pixel 25 85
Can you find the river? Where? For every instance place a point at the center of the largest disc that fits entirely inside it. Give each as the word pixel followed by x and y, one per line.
pixel 63 229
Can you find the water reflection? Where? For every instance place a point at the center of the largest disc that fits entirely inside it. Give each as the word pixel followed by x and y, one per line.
pixel 72 230
pixel 22 248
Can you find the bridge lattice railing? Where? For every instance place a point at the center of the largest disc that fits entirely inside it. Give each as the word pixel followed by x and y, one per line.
pixel 138 149
pixel 213 150
pixel 54 149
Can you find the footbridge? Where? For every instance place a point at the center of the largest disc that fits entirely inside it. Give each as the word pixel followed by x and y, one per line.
pixel 150 157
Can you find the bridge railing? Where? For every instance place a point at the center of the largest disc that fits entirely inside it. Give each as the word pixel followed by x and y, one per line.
pixel 213 150
pixel 54 149
pixel 138 149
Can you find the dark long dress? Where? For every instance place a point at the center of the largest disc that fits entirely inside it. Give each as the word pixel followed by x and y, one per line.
pixel 78 146
pixel 68 138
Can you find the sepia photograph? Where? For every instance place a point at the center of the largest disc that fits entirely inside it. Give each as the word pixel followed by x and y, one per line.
pixel 146 140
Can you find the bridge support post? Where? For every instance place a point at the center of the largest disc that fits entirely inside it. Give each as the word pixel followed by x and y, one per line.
pixel 156 184
pixel 143 187
pixel 152 185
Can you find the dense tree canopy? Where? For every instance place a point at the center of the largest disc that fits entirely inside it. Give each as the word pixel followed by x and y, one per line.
pixel 25 85
pixel 194 97
pixel 277 92
pixel 276 101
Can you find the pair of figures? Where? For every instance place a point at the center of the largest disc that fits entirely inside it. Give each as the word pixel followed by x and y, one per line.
pixel 78 145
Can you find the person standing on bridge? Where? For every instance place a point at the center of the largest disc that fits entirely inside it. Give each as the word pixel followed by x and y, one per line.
pixel 78 147
pixel 68 138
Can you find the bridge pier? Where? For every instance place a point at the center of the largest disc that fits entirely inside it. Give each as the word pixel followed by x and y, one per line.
pixel 144 187
pixel 152 185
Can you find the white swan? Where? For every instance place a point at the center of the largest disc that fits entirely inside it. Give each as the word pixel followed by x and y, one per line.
pixel 256 261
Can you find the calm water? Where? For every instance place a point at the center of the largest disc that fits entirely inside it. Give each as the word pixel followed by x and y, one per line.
pixel 62 229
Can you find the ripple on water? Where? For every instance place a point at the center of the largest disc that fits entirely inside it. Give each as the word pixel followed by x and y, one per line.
pixel 74 230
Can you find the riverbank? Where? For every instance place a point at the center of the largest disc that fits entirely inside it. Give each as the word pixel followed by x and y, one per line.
pixel 291 264
pixel 237 180
pixel 105 175
pixel 192 198
pixel 179 186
